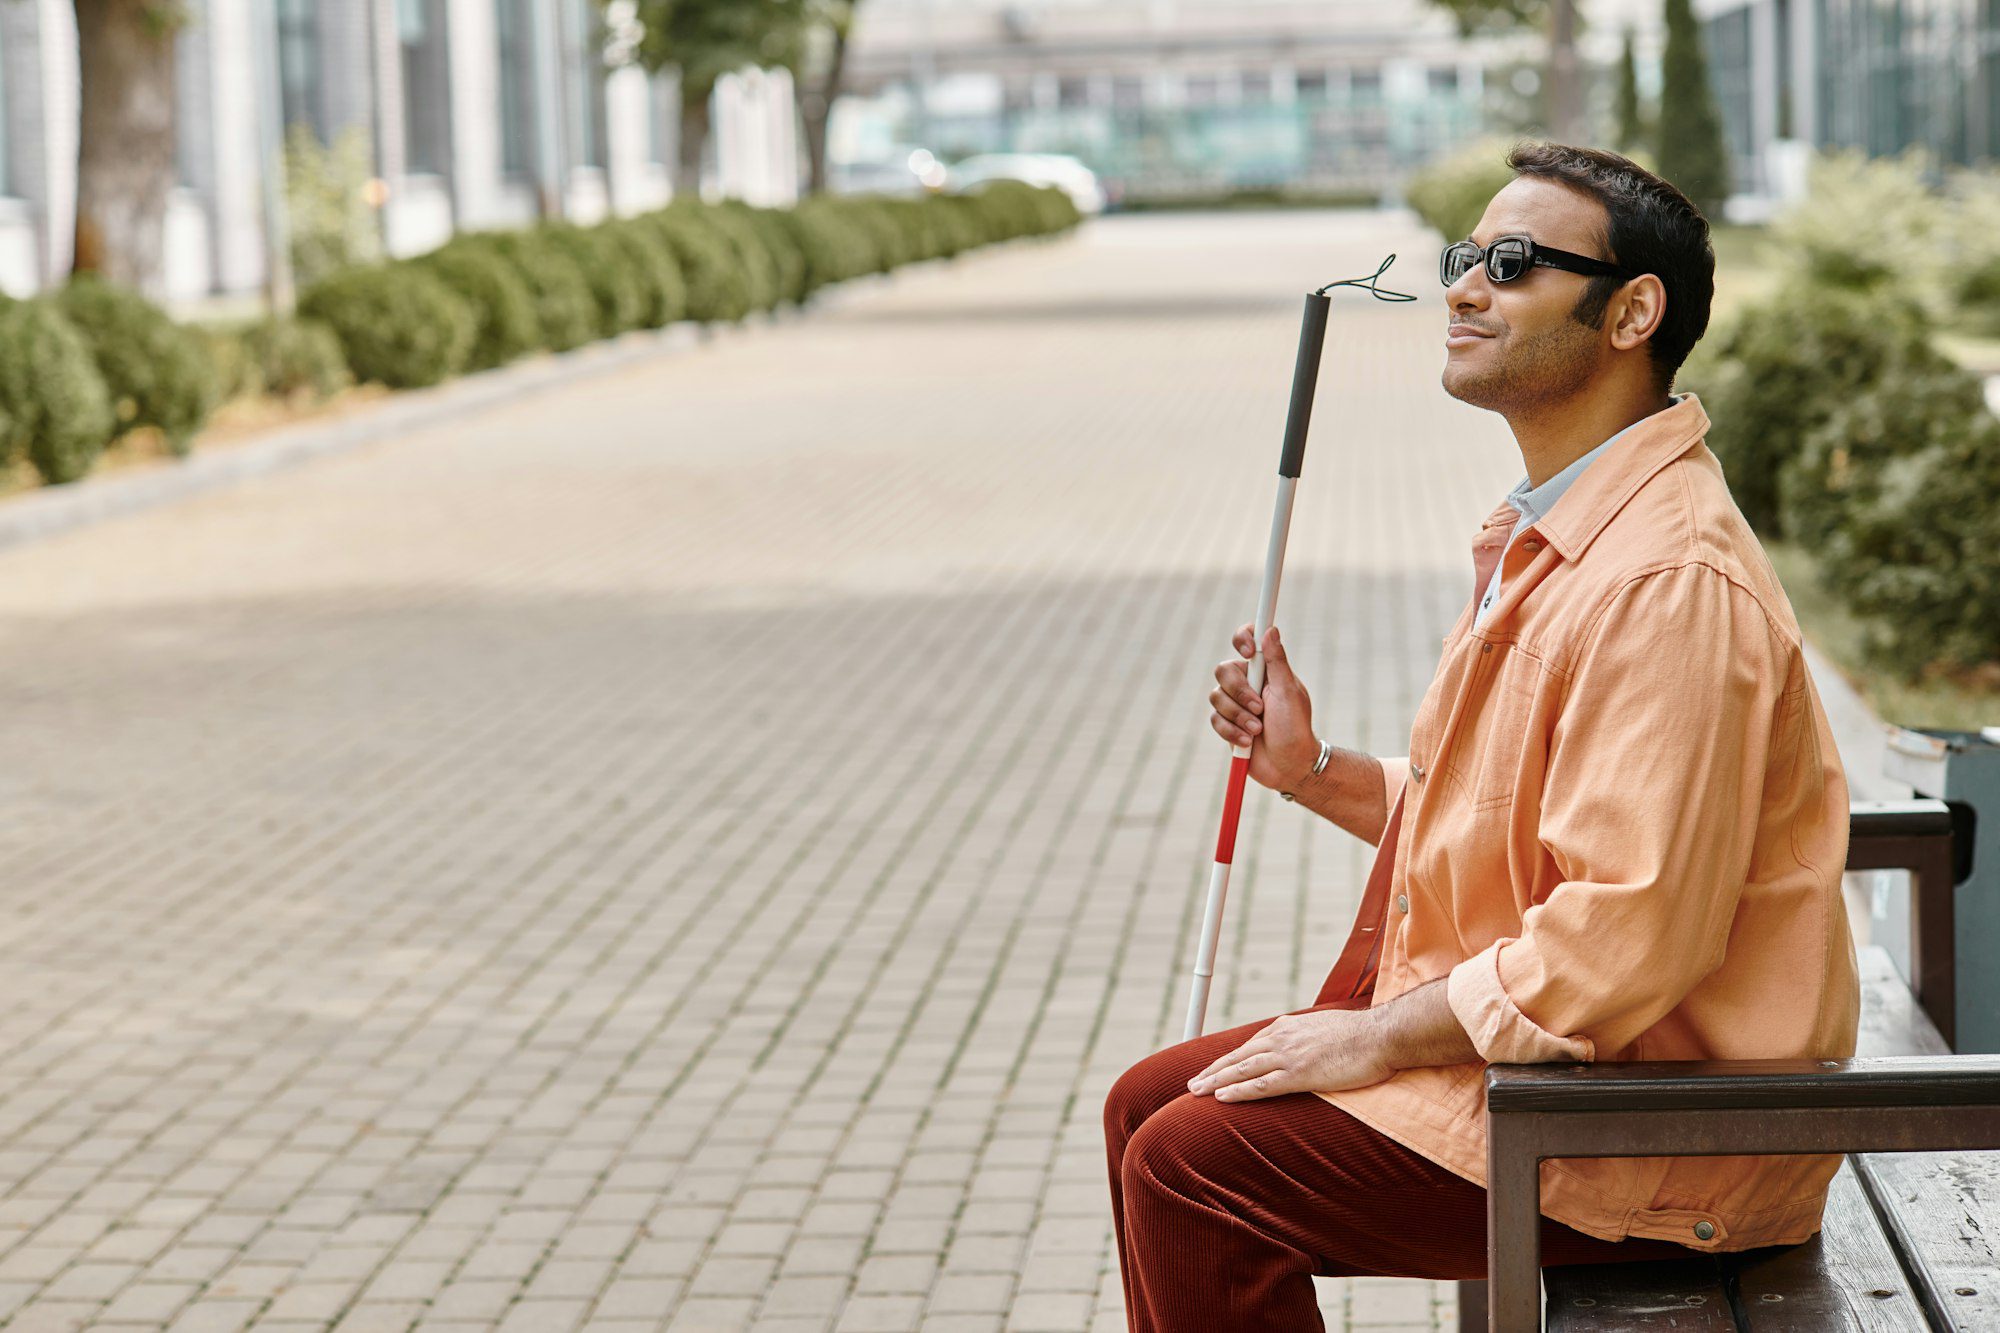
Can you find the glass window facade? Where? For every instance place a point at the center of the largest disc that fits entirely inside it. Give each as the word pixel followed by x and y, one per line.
pixel 426 131
pixel 298 65
pixel 514 42
pixel 586 62
pixel 1887 75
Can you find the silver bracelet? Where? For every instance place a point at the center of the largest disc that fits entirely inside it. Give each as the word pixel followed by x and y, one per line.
pixel 1319 765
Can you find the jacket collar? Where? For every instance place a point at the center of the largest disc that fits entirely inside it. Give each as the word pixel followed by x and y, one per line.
pixel 1616 475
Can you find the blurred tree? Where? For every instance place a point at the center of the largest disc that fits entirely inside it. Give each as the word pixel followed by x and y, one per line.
pixel 1692 154
pixel 706 39
pixel 835 19
pixel 125 155
pixel 1632 131
pixel 1560 21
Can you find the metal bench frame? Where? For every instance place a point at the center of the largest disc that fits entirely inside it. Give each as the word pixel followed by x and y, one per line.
pixel 1729 1107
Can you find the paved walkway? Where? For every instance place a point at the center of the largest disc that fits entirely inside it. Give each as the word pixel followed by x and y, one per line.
pixel 693 848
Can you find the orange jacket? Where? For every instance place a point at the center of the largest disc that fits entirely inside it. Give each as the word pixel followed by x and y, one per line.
pixel 1621 832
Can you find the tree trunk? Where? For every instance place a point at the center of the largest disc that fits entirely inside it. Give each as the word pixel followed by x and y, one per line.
pixel 818 110
pixel 125 163
pixel 694 138
pixel 1564 100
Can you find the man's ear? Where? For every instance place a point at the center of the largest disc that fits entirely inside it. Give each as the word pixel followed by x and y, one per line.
pixel 1640 308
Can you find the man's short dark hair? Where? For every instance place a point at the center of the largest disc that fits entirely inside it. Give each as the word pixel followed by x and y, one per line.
pixel 1654 229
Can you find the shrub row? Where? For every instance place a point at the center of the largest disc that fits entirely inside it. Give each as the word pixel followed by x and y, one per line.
pixel 485 298
pixel 1843 429
pixel 93 361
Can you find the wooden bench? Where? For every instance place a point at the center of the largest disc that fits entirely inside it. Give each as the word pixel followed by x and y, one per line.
pixel 1911 1237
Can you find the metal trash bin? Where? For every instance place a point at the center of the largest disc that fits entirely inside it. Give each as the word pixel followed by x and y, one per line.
pixel 1962 769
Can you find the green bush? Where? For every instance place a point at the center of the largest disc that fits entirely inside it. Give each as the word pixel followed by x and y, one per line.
pixel 834 246
pixel 295 357
pixel 397 324
pixel 1968 254
pixel 1773 375
pixel 1866 223
pixel 502 306
pixel 332 225
pixel 54 405
pixel 760 274
pixel 788 261
pixel 1451 193
pixel 159 373
pixel 609 270
pixel 662 289
pixel 566 313
pixel 236 376
pixel 961 222
pixel 1909 471
pixel 717 287
pixel 890 244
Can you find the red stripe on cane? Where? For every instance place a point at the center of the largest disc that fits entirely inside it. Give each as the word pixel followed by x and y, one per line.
pixel 1232 809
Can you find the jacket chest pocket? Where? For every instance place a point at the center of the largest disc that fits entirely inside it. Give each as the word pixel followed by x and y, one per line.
pixel 1495 743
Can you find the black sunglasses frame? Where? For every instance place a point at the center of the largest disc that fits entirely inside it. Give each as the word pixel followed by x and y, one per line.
pixel 1545 255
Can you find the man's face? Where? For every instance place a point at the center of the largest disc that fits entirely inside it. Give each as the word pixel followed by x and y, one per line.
pixel 1537 351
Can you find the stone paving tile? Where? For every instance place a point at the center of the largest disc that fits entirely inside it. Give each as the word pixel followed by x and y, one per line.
pixel 693 849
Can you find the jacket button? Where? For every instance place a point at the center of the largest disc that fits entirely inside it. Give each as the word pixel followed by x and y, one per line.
pixel 1403 905
pixel 1417 771
pixel 1532 545
pixel 1704 1231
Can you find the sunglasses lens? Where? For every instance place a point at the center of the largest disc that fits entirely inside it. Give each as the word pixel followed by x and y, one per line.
pixel 1507 261
pixel 1457 259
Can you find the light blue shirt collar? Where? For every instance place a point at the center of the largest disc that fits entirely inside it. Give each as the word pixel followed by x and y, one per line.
pixel 1534 503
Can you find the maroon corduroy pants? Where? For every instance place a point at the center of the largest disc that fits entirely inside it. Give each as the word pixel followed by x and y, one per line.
pixel 1226 1210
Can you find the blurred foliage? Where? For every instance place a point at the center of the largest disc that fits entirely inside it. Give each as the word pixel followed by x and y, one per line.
pixel 55 409
pixel 1451 193
pixel 333 225
pixel 398 324
pixel 159 374
pixel 1688 134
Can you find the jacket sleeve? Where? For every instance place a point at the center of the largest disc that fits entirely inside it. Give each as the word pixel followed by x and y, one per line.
pixel 1395 770
pixel 1650 808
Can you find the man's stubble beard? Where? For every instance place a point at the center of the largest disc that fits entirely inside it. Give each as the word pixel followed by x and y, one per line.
pixel 1555 364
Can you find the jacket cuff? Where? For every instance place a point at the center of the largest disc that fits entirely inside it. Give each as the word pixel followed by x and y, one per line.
pixel 1395 772
pixel 1499 1030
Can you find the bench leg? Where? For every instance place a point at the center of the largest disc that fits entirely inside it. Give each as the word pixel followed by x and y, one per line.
pixel 1472 1307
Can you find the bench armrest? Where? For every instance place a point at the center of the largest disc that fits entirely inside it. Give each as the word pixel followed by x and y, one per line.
pixel 1702 1085
pixel 1706 1108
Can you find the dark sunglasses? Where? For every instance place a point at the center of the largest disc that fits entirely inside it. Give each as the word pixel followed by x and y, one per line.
pixel 1510 257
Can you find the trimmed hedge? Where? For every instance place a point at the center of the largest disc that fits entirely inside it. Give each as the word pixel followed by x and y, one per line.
pixel 1774 374
pixel 159 373
pixel 55 407
pixel 503 309
pixel 295 357
pixel 566 313
pixel 397 323
pixel 663 296
pixel 607 269
pixel 718 290
pixel 95 358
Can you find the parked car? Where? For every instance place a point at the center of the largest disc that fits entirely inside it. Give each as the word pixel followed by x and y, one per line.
pixel 904 169
pixel 1067 173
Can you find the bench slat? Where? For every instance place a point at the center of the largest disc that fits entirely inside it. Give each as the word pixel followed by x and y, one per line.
pixel 1892 1023
pixel 1685 1295
pixel 1943 1213
pixel 1845 1278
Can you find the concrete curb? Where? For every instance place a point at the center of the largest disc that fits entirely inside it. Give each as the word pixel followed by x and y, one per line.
pixel 54 509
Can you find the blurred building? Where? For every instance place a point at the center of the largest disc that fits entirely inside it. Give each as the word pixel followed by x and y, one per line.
pixel 1878 75
pixel 476 113
pixel 1168 97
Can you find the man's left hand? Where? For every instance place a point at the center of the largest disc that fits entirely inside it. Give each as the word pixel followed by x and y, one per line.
pixel 1323 1051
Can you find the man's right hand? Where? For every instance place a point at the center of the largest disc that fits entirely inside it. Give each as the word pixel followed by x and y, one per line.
pixel 1277 727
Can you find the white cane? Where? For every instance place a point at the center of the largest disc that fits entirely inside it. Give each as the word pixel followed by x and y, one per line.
pixel 1305 378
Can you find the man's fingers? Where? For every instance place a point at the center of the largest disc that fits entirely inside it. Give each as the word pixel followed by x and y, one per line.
pixel 1232 712
pixel 1233 734
pixel 1235 678
pixel 1245 640
pixel 1259 1041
